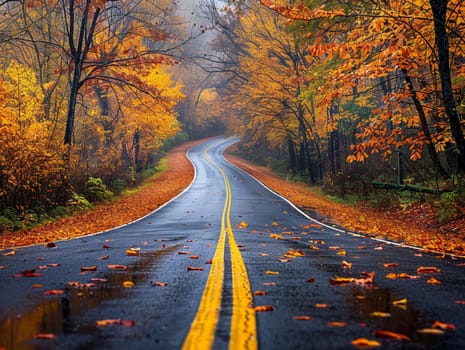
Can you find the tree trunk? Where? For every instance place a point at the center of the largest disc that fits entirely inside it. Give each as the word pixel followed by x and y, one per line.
pixel 439 9
pixel 424 127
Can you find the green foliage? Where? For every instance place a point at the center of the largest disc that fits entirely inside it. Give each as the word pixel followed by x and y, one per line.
pixel 448 206
pixel 10 220
pixel 97 191
pixel 118 186
pixel 77 202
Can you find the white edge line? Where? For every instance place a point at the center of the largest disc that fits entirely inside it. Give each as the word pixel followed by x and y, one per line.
pixel 128 223
pixel 300 211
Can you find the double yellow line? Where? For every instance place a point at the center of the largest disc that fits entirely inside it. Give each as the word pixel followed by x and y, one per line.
pixel 243 333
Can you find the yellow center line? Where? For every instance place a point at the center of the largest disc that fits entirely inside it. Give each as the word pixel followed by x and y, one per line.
pixel 243 334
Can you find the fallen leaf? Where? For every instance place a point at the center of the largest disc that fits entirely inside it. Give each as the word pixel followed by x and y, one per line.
pixel 51 245
pixel 192 268
pixel 302 318
pixel 259 292
pixel 160 284
pixel 88 268
pixel 37 285
pixel 117 267
pixel 276 236
pixel 128 323
pixel 346 264
pixel 46 336
pixel 380 314
pixel 433 331
pixel 400 302
pixel 242 224
pixel 194 257
pixel 340 280
pixel 444 326
pixel 311 280
pixel 133 252
pixel 390 335
pixel 263 308
pixel 342 252
pixel 184 253
pixel 128 284
pixel 105 257
pixel 433 280
pixel 390 265
pixel 321 306
pixel 10 253
pixel 460 302
pixel 428 269
pixel 268 284
pixel 272 272
pixel 54 292
pixel 209 262
pixel 337 324
pixel 109 322
pixel 364 343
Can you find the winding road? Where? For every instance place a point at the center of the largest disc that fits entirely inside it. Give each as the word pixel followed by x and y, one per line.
pixel 228 264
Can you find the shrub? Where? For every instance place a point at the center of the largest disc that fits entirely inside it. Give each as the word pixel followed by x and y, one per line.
pixel 97 191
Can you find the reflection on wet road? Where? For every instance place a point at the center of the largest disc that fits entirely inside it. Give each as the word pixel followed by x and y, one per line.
pixel 140 286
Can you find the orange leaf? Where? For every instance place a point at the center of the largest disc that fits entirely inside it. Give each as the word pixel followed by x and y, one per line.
pixel 302 318
pixel 433 280
pixel 390 335
pixel 337 324
pixel 160 284
pixel 109 322
pixel 133 252
pixel 428 269
pixel 88 268
pixel 259 292
pixel 390 265
pixel 54 292
pixel 444 326
pixel 363 343
pixel 117 267
pixel 263 308
pixel 194 257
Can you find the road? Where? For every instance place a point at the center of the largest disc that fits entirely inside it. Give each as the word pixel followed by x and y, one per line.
pixel 228 264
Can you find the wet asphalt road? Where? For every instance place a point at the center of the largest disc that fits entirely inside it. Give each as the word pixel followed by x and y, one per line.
pixel 289 258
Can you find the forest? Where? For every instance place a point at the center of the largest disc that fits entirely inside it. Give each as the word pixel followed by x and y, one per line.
pixel 365 99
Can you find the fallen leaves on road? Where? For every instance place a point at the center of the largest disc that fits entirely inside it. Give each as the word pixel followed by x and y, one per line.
pixel 390 335
pixel 111 322
pixel 193 268
pixel 264 308
pixel 302 318
pixel 427 269
pixel 88 268
pixel 364 343
pixel 54 292
pixel 116 267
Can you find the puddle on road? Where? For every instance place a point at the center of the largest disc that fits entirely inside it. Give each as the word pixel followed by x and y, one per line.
pixel 404 319
pixel 58 314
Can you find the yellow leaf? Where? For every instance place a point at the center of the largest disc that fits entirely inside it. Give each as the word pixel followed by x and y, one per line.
pixel 128 284
pixel 272 272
